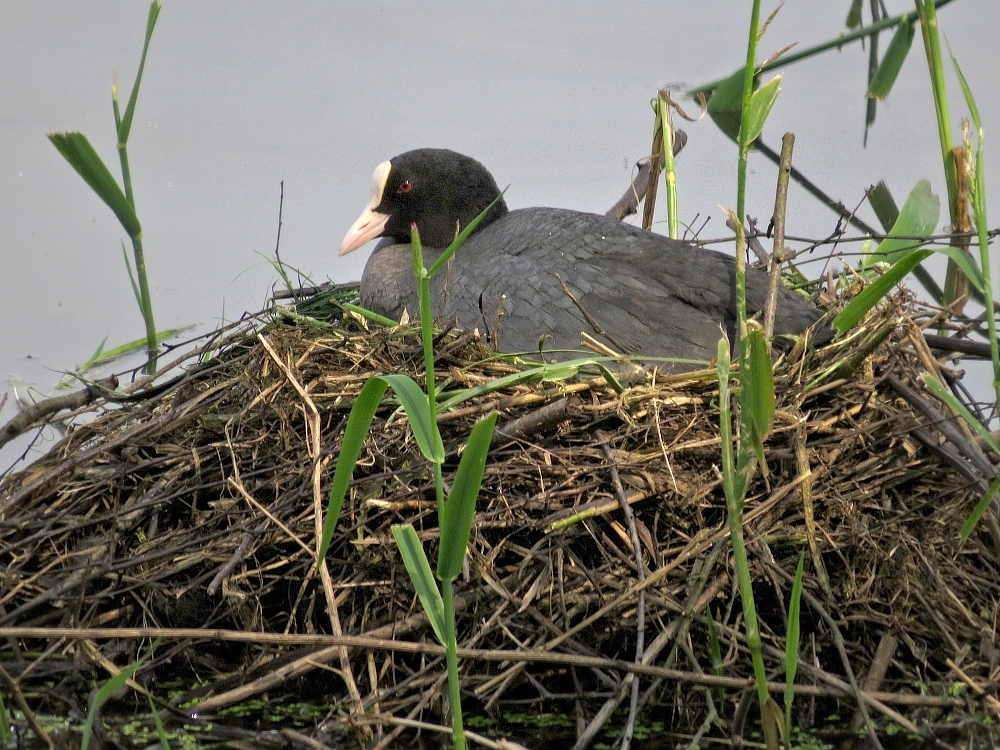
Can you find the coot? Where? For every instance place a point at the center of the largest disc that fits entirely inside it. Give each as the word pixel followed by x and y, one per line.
pixel 549 272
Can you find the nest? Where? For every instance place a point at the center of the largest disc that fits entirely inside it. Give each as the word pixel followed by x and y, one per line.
pixel 194 505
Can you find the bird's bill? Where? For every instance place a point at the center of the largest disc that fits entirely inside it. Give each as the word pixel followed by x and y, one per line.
pixel 371 223
pixel 368 226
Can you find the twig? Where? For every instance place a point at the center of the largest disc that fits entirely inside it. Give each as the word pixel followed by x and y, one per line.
pixel 626 738
pixel 37 411
pixel 334 643
pixel 15 690
pixel 778 222
pixel 876 672
pixel 537 420
pixel 628 204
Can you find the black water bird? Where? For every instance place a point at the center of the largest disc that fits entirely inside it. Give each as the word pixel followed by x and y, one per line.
pixel 549 272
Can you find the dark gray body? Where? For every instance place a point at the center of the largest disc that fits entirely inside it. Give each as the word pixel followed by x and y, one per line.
pixel 651 295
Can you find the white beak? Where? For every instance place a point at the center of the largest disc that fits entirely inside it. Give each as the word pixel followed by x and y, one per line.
pixel 371 223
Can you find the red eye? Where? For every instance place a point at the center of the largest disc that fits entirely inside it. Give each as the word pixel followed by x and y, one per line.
pixel 405 186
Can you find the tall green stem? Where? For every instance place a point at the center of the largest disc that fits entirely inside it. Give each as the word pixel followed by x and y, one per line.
pixel 979 208
pixel 451 651
pixel 145 298
pixel 838 43
pixel 146 301
pixel 932 48
pixel 427 334
pixel 669 174
pixel 741 173
pixel 734 476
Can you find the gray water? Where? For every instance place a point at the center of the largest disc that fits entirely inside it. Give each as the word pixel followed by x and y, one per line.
pixel 240 96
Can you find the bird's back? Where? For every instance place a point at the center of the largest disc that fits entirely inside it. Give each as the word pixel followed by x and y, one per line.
pixel 553 271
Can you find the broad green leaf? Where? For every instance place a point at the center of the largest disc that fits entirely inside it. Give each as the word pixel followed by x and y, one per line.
pixel 414 402
pixel 455 518
pixel 884 205
pixel 81 155
pixel 918 218
pixel 792 643
pixel 725 106
pixel 761 103
pixel 757 392
pixel 355 432
pixel 874 292
pixel 126 124
pixel 854 15
pixel 892 61
pixel 420 572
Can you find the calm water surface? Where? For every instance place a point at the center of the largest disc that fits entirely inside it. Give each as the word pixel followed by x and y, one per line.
pixel 238 97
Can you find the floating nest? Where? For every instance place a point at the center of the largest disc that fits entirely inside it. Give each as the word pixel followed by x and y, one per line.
pixel 193 505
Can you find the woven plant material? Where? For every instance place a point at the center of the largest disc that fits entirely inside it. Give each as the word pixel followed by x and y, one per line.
pixel 195 507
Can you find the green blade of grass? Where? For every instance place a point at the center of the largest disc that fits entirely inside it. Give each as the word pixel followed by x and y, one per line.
pixel 979 510
pixel 161 731
pixel 874 292
pixel 372 316
pixel 544 373
pixel 970 100
pixel 792 643
pixel 715 649
pixel 964 261
pixel 84 159
pixel 895 55
pixel 355 432
pixel 131 277
pixel 420 572
pixel 414 402
pixel 126 123
pixel 457 514
pixel 4 722
pixel 918 218
pixel 977 195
